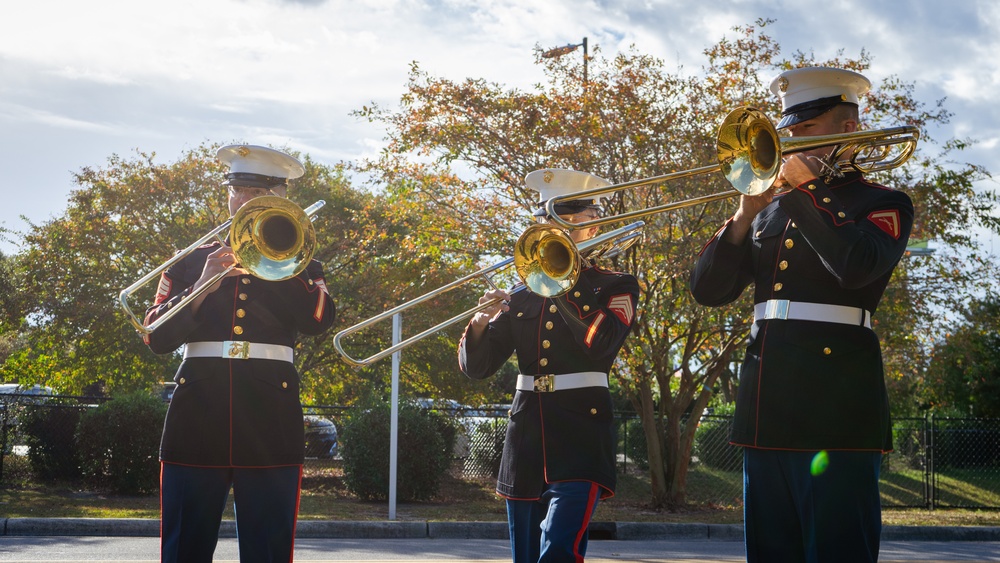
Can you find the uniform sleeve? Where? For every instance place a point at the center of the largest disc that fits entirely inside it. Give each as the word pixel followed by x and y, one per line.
pixel 856 250
pixel 481 357
pixel 172 290
pixel 723 270
pixel 600 321
pixel 308 299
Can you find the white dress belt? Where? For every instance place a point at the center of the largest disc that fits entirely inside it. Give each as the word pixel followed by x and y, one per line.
pixel 800 311
pixel 238 350
pixel 561 381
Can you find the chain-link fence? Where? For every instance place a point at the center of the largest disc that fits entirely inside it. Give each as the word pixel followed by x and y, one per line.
pixel 937 462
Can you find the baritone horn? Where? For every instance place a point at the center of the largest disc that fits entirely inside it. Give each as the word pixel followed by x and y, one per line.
pixel 749 154
pixel 271 237
pixel 545 258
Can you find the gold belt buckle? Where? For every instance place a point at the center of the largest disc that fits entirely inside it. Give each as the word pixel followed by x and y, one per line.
pixel 236 349
pixel 544 383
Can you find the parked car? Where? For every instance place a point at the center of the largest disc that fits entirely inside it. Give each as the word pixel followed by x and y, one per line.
pixel 321 437
pixel 495 410
pixel 167 389
pixel 36 390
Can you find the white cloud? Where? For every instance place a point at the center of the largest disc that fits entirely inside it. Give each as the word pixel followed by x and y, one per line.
pixel 109 77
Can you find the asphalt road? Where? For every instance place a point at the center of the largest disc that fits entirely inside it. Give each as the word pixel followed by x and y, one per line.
pixel 67 549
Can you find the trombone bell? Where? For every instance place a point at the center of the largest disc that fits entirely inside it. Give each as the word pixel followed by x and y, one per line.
pixel 272 238
pixel 546 260
pixel 748 150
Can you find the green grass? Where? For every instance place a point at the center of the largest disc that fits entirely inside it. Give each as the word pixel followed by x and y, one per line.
pixel 324 497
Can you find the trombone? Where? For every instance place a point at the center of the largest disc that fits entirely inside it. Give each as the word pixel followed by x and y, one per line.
pixel 749 153
pixel 271 237
pixel 545 258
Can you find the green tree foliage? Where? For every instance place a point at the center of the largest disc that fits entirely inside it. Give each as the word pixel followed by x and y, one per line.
pixel 63 327
pixel 631 120
pixel 119 223
pixel 964 374
pixel 11 306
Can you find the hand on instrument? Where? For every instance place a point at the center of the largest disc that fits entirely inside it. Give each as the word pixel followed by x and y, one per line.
pixel 482 318
pixel 216 263
pixel 750 206
pixel 798 169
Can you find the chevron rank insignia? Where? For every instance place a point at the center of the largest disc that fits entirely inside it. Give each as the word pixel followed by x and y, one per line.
pixel 887 220
pixel 621 306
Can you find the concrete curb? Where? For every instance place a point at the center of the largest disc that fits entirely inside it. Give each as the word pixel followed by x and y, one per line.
pixel 384 529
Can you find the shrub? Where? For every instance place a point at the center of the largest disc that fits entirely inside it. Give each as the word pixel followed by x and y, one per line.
pixel 447 428
pixel 421 461
pixel 486 448
pixel 49 432
pixel 119 443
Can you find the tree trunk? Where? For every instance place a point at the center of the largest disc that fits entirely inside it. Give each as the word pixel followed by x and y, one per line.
pixel 654 451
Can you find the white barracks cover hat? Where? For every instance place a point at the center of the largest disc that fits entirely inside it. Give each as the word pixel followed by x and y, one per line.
pixel 258 167
pixel 812 91
pixel 552 182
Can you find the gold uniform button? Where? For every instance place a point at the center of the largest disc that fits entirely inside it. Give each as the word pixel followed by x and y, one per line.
pixel 284 385
pixel 778 286
pixel 757 234
pixel 246 281
pixel 241 313
pixel 827 351
pixel 238 329
pixel 593 411
pixel 182 381
pixel 520 314
pixel 546 344
pixel 826 200
pixel 510 413
pixel 783 265
pixel 543 362
pixel 586 308
pixel 789 243
pixel 841 215
pixel 576 294
pixel 549 325
pixel 243 297
pixel 794 226
pixel 552 309
pixel 310 282
pixel 812 186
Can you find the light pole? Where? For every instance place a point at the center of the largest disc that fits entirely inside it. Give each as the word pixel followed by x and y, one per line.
pixel 565 50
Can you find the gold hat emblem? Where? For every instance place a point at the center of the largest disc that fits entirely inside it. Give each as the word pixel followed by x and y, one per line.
pixel 547 176
pixel 783 84
pixel 243 151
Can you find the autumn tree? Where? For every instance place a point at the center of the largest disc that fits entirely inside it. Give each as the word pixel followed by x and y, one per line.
pixel 633 120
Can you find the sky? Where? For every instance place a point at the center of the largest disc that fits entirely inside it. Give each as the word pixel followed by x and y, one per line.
pixel 82 81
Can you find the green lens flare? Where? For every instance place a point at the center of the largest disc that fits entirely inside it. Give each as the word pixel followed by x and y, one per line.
pixel 819 463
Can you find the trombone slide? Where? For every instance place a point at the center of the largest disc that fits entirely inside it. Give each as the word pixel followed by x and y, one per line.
pixel 607 244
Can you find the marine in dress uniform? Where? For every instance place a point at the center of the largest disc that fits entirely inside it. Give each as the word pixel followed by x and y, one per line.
pixel 819 256
pixel 559 451
pixel 235 417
